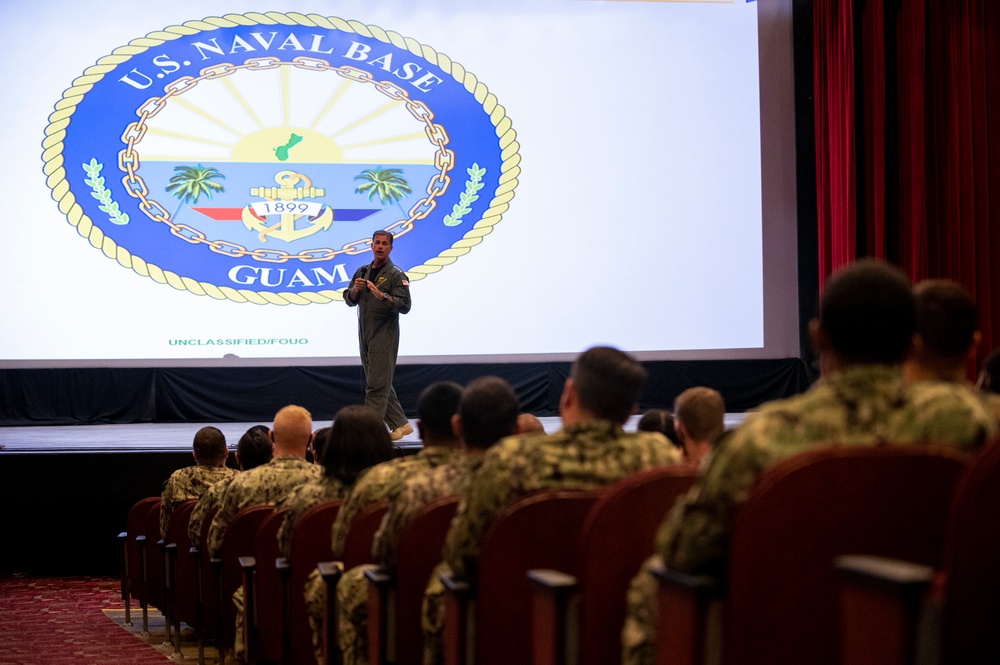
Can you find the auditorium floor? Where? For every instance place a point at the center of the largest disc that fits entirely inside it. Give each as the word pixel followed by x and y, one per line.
pixel 163 437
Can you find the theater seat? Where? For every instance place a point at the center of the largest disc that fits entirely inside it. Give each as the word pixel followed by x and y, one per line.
pixel 132 542
pixel 207 615
pixel 357 552
pixel 395 600
pixel 617 537
pixel 262 589
pixel 780 606
pixel 956 606
pixel 236 542
pixel 310 544
pixel 490 622
pixel 181 573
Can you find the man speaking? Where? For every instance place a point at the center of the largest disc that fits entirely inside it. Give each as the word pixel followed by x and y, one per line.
pixel 382 292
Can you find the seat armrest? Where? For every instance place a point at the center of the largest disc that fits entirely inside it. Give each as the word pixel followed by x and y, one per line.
pixel 881 604
pixel 554 617
pixel 683 622
pixel 330 572
pixel 883 571
pixel 249 566
pixel 458 631
pixel 456 586
pixel 381 616
pixel 378 577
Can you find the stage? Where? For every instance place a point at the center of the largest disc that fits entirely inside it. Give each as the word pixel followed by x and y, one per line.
pixel 170 437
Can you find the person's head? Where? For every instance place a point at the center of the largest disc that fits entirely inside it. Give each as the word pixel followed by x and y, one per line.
pixel 947 332
pixel 604 384
pixel 292 431
pixel 357 440
pixel 699 415
pixel 867 316
pixel 255 448
pixel 210 447
pixel 659 420
pixel 487 412
pixel 989 375
pixel 528 423
pixel 318 444
pixel 381 246
pixel 436 405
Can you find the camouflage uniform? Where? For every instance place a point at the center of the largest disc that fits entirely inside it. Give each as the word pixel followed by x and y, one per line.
pixel 992 403
pixel 583 456
pixel 263 485
pixel 267 484
pixel 208 502
pixel 442 479
pixel 313 493
pixel 445 480
pixel 376 484
pixel 188 483
pixel 862 405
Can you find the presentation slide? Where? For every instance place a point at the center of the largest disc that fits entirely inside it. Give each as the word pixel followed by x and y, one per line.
pixel 195 182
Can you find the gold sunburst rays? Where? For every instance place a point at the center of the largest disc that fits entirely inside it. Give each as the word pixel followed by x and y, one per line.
pixel 248 116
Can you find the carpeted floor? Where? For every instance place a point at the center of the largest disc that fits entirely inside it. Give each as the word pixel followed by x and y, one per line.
pixel 57 621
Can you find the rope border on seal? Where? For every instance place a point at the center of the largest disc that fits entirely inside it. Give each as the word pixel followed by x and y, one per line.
pixel 55 133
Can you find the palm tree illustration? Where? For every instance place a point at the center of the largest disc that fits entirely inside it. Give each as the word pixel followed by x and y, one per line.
pixel 191 182
pixel 388 184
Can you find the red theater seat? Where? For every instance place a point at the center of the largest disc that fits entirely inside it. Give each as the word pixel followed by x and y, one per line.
pixel 780 606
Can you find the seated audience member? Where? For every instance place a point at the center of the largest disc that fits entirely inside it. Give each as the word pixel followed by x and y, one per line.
pixel 435 407
pixel 191 482
pixel 864 331
pixel 699 419
pixel 254 449
pixel 487 412
pixel 529 422
pixel 947 338
pixel 592 450
pixel 659 420
pixel 347 449
pixel 268 484
pixel 313 452
pixel 989 375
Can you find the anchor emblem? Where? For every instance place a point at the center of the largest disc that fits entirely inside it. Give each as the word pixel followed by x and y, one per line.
pixel 287 193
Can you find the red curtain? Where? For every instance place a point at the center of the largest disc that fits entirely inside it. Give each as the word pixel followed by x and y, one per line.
pixel 907 168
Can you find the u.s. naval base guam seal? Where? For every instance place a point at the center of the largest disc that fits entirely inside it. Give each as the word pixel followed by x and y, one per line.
pixel 250 157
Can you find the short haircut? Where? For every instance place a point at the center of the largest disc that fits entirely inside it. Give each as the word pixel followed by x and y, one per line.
pixel 868 313
pixel 255 448
pixel 659 420
pixel 358 440
pixel 608 382
pixel 210 446
pixel 947 319
pixel 436 405
pixel 293 426
pixel 488 411
pixel 528 423
pixel 702 411
pixel 383 232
